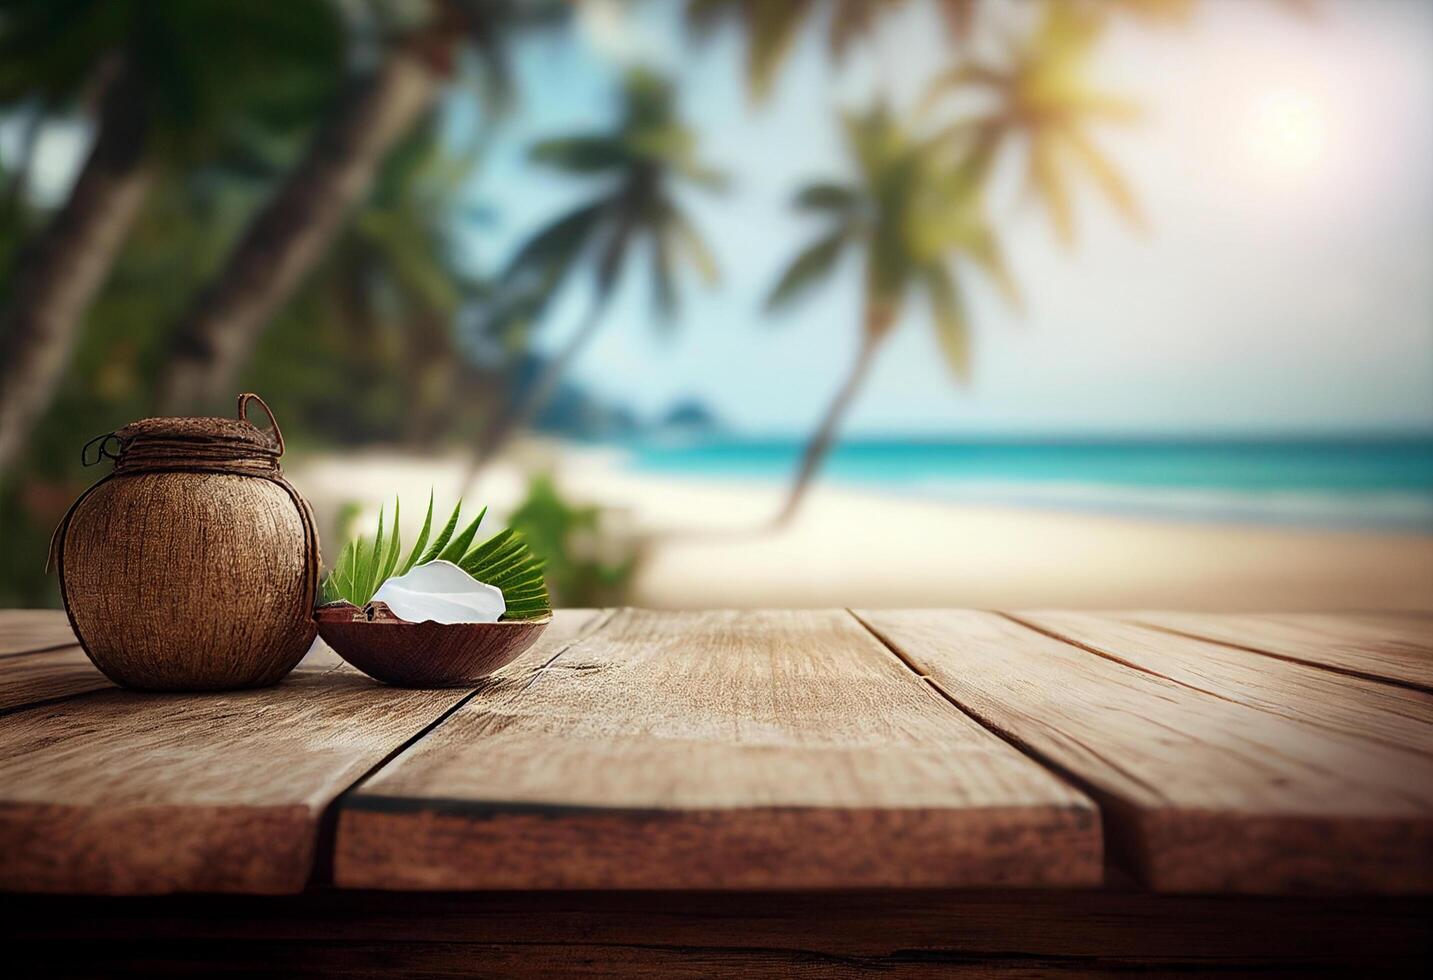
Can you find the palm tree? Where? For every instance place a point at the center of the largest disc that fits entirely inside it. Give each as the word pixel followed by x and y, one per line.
pixel 771 27
pixel 650 152
pixel 289 235
pixel 1044 103
pixel 915 218
pixel 164 77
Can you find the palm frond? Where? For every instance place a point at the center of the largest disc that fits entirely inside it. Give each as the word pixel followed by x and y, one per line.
pixel 664 289
pixel 458 547
pixel 422 541
pixel 504 561
pixel 1106 175
pixel 807 269
pixel 441 542
pixel 827 196
pixel 580 154
pixel 985 251
pixel 697 251
pixel 772 29
pixel 952 331
pixel 1047 182
pixel 550 253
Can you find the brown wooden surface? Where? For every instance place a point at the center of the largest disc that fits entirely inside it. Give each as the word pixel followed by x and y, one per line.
pixel 1342 704
pixel 126 793
pixel 1200 792
pixel 751 750
pixel 24 630
pixel 733 934
pixel 714 750
pixel 1393 648
pixel 47 675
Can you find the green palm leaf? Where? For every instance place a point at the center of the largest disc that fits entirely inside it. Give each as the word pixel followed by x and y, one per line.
pixel 807 269
pixel 459 545
pixel 664 290
pixel 694 247
pixel 827 197
pixel 369 564
pixel 504 561
pixel 948 313
pixel 390 554
pixel 436 548
pixel 422 541
pixel 581 154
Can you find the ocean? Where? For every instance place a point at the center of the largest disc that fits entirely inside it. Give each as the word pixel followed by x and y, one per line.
pixel 1374 483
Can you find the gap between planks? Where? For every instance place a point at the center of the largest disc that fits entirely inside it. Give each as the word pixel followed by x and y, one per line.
pixel 78 819
pixel 431 823
pixel 1376 846
pixel 1107 802
pixel 322 872
pixel 1346 671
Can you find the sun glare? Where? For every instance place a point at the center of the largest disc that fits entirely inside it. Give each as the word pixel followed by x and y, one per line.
pixel 1287 132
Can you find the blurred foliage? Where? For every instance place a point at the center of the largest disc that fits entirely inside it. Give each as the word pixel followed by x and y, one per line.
pixel 1044 101
pixel 384 341
pixel 587 564
pixel 212 75
pixel 638 166
pixel 912 216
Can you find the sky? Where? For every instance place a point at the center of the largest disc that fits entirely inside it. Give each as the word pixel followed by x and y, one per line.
pixel 1284 283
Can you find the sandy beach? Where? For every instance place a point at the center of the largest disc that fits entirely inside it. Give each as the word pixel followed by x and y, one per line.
pixel 705 545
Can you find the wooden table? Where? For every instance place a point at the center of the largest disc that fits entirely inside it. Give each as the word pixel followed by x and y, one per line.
pixel 815 793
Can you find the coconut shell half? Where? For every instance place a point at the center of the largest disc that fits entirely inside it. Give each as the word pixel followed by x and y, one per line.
pixel 426 654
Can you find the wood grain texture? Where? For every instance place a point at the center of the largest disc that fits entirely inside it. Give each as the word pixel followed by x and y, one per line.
pixel 127 793
pixel 40 678
pixel 49 675
pixel 1199 793
pixel 715 750
pixel 1398 649
pixel 1341 703
pixel 27 630
pixel 824 935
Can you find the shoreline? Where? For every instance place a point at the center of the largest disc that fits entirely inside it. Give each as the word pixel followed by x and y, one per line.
pixel 855 547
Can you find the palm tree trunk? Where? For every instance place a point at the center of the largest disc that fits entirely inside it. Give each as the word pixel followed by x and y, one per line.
pixel 293 230
pixel 525 409
pixel 60 273
pixel 825 436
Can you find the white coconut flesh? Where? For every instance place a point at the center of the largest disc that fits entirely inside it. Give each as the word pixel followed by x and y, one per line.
pixel 441 592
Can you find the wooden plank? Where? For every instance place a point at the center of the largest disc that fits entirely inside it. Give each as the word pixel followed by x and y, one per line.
pixel 715 750
pixel 816 934
pixel 27 630
pixel 1393 649
pixel 28 680
pixel 47 676
pixel 1342 703
pixel 1199 793
pixel 127 793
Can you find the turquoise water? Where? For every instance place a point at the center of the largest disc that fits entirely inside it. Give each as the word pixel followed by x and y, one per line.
pixel 1379 483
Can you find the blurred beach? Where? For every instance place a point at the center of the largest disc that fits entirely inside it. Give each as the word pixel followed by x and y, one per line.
pixel 1081 303
pixel 705 539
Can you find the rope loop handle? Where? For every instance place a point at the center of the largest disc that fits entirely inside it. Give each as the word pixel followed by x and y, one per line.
pixel 103 451
pixel 244 401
